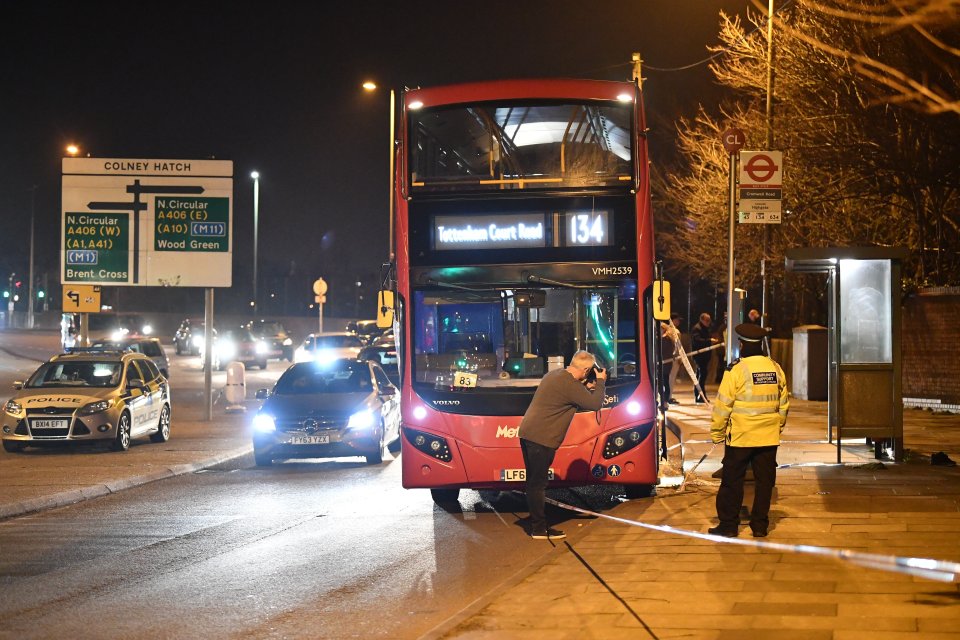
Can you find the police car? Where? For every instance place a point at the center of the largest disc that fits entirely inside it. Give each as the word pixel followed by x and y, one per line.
pixel 87 396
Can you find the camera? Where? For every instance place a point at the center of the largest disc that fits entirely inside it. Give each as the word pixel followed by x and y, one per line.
pixel 592 374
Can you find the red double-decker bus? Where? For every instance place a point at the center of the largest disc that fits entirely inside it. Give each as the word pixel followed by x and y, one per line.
pixel 523 233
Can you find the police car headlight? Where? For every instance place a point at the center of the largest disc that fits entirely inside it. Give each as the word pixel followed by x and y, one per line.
pixel 264 423
pixel 147 329
pixel 13 407
pixel 96 407
pixel 261 348
pixel 288 342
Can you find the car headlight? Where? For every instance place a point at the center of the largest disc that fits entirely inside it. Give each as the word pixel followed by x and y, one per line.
pixel 118 334
pixel 13 407
pixel 147 329
pixel 361 420
pixel 324 356
pixel 261 348
pixel 288 342
pixel 226 350
pixel 198 341
pixel 96 407
pixel 264 423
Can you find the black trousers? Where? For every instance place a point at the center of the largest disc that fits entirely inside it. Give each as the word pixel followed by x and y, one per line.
pixel 537 460
pixel 763 461
pixel 664 371
pixel 703 365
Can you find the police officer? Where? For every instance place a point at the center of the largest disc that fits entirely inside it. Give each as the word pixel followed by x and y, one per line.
pixel 748 417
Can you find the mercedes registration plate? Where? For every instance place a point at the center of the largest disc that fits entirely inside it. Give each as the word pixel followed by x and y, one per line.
pixel 310 440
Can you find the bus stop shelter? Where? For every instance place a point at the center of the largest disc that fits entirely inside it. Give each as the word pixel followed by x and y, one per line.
pixel 864 385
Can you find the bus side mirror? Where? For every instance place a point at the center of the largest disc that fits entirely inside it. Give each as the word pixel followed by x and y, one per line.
pixel 385 309
pixel 661 300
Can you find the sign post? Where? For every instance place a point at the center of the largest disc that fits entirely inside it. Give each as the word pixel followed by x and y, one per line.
pixel 733 141
pixel 320 289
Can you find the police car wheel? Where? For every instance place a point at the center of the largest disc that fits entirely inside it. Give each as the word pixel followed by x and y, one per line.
pixel 12 446
pixel 122 441
pixel 163 426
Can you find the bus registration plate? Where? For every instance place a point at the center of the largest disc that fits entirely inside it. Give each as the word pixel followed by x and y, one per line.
pixel 310 440
pixel 519 475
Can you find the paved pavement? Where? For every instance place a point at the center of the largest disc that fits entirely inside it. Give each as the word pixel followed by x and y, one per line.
pixel 613 580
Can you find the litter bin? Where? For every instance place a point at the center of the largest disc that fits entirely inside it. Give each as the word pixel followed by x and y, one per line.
pixel 809 379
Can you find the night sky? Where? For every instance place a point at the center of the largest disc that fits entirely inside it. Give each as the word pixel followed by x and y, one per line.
pixel 276 87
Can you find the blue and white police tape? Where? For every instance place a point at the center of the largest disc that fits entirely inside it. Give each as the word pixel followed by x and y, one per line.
pixel 941 570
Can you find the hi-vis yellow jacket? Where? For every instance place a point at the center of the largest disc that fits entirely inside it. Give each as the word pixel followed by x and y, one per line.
pixel 751 405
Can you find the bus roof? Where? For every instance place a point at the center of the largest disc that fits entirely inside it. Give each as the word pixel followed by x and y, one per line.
pixel 540 88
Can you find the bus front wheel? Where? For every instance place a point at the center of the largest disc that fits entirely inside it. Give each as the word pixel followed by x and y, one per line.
pixel 445 496
pixel 635 491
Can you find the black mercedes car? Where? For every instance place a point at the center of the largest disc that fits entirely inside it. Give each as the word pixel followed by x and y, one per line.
pixel 335 409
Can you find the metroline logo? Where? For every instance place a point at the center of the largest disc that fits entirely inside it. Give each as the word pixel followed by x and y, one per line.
pixel 507 432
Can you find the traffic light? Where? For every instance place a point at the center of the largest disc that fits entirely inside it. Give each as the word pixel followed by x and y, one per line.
pixel 6 294
pixel 41 294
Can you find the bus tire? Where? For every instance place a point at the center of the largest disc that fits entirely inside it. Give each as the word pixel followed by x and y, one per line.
pixel 635 491
pixel 445 496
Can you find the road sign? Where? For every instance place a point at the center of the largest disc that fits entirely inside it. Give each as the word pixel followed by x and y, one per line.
pixel 319 286
pixel 81 298
pixel 733 140
pixel 761 188
pixel 147 222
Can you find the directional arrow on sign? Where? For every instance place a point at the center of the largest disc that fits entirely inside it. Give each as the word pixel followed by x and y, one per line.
pixel 136 207
pixel 75 296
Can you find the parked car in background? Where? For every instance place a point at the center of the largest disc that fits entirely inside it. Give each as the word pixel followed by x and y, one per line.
pixel 276 337
pixel 237 345
pixel 89 396
pixel 366 330
pixel 328 347
pixel 346 407
pixel 189 337
pixel 386 356
pixel 150 347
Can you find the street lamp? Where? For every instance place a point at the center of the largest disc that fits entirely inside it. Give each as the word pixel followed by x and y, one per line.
pixel 33 207
pixel 256 217
pixel 371 86
pixel 72 149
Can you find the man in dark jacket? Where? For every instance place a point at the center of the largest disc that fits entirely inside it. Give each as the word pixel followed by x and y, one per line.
pixel 700 338
pixel 545 424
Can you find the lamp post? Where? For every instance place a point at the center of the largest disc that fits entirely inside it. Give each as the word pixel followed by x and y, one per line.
pixel 372 86
pixel 256 219
pixel 33 207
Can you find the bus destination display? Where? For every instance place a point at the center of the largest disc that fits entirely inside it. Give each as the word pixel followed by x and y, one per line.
pixel 522 230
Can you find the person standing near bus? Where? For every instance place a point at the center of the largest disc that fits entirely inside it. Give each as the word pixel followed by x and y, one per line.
pixel 702 338
pixel 544 425
pixel 749 415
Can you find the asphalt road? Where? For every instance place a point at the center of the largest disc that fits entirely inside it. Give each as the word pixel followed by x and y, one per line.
pixel 302 549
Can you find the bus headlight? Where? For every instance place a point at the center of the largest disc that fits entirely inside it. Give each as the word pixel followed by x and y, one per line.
pixel 622 441
pixel 434 446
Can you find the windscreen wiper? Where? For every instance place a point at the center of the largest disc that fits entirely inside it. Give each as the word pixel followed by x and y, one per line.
pixel 448 285
pixel 533 279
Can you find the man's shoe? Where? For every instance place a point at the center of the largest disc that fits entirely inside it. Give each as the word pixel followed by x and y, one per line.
pixel 759 533
pixel 723 531
pixel 549 534
pixel 673 401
